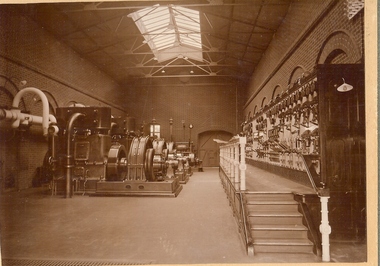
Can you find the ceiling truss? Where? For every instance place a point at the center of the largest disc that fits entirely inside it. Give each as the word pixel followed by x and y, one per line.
pixel 234 33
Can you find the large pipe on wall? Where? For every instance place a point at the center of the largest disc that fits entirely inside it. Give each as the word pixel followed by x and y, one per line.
pixel 45 106
pixel 16 116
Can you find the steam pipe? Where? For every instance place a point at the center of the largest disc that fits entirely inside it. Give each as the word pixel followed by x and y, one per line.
pixel 52 119
pixel 45 107
pixel 52 140
pixel 69 156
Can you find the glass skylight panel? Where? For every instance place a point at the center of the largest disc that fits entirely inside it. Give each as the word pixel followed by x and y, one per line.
pixel 170 27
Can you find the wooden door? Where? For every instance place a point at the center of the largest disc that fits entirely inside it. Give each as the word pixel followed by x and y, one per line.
pixel 208 149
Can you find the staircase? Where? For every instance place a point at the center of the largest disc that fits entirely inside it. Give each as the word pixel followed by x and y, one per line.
pixel 276 224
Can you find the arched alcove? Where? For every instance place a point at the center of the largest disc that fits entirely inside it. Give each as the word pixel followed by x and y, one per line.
pixel 339 47
pixel 276 91
pixel 263 102
pixel 296 74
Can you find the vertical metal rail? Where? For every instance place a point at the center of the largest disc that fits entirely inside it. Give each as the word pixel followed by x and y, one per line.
pixel 232 173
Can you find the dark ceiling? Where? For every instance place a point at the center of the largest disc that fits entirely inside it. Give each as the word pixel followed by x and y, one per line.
pixel 235 34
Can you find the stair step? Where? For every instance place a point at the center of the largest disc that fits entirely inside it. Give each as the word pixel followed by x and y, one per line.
pixel 282 242
pixel 274 213
pixel 272 205
pixel 279 245
pixel 278 231
pixel 270 196
pixel 281 227
pixel 271 219
pixel 267 202
pixel 276 224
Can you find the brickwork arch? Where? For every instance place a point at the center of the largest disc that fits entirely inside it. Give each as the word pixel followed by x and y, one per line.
pixel 276 91
pixel 8 90
pixel 340 43
pixel 255 110
pixel 263 102
pixel 297 72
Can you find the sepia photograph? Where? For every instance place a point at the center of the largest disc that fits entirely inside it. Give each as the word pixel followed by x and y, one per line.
pixel 188 132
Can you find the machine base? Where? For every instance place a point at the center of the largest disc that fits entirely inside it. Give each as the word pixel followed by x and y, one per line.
pixel 166 188
pixel 182 177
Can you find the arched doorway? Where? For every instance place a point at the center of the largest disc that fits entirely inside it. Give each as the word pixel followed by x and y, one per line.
pixel 208 149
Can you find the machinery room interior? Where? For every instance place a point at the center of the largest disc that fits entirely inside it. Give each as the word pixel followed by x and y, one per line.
pixel 186 132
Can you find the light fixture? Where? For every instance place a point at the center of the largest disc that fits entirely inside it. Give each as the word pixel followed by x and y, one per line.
pixel 344 87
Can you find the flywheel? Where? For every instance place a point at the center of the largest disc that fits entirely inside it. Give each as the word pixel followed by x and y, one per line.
pixel 117 163
pixel 148 165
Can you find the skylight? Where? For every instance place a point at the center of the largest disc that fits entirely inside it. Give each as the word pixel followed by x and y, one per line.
pixel 170 31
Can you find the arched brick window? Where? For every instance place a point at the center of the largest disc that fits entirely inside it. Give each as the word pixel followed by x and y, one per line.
pixel 339 48
pixel 277 90
pixel 296 74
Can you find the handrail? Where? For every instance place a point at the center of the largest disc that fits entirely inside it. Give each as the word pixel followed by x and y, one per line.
pixel 325 229
pixel 232 174
pixel 233 167
pixel 232 160
pixel 309 175
pixel 248 238
pixel 237 203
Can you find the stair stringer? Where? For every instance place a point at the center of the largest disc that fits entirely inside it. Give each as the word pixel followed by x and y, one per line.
pixel 250 247
pixel 313 233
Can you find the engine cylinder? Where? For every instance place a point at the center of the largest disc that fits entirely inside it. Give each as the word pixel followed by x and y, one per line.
pixel 95 118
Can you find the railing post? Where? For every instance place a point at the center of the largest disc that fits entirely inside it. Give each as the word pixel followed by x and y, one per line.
pixel 231 160
pixel 243 166
pixel 236 165
pixel 224 158
pixel 325 228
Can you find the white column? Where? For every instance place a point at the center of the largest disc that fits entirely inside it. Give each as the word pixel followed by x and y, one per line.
pixel 325 229
pixel 243 166
pixel 236 165
pixel 231 161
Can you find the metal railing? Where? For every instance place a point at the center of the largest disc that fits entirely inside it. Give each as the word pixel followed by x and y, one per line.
pixel 237 202
pixel 325 228
pixel 232 174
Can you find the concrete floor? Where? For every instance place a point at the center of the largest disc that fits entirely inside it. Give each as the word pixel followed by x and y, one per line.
pixel 197 227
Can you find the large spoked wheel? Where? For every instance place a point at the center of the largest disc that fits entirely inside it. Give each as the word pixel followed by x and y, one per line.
pixel 116 163
pixel 148 165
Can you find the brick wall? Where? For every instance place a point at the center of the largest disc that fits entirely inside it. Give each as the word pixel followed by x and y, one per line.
pixel 206 106
pixel 28 53
pixel 307 30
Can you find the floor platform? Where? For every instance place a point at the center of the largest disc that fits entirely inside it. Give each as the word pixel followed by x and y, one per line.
pixel 196 227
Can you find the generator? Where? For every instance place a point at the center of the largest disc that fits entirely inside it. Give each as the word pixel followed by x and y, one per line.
pixel 96 154
pixel 159 159
pixel 186 160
